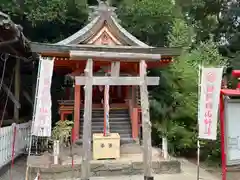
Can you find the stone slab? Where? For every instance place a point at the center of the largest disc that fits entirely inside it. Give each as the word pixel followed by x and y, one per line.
pixel 130 163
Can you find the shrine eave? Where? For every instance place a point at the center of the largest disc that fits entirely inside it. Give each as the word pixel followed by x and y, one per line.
pixel 230 92
pixel 64 50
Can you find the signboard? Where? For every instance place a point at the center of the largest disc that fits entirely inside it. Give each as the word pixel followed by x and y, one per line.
pixel 42 119
pixel 232 131
pixel 209 102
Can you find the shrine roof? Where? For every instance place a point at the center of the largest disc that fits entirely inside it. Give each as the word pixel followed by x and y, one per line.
pixel 12 39
pixel 58 49
pixel 103 15
pixel 230 92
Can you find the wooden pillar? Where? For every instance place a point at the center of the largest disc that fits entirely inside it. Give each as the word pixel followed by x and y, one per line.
pixel 17 89
pixel 146 124
pixel 77 100
pixel 87 129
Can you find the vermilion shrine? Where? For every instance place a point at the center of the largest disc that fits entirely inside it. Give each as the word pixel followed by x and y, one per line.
pixel 104 54
pixel 105 41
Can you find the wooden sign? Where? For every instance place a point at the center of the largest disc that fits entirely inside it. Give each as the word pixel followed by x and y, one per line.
pixel 232 133
pixel 118 81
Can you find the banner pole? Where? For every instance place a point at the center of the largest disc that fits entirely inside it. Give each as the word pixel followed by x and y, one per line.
pixel 198 142
pixel 198 159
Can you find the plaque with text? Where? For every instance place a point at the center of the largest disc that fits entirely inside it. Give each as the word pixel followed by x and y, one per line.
pixel 232 131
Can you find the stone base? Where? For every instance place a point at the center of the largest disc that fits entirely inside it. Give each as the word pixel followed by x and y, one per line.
pixel 148 178
pixel 130 163
pixel 105 169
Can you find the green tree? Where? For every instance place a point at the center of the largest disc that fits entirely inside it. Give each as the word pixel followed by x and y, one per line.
pixel 47 20
pixel 149 20
pixel 174 109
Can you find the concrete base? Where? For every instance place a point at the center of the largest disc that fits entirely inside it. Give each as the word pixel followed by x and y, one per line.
pixel 148 178
pixel 130 163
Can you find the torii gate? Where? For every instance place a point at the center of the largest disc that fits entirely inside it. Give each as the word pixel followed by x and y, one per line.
pixel 143 81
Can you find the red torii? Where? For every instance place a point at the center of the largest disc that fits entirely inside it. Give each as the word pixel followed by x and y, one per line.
pixel 226 92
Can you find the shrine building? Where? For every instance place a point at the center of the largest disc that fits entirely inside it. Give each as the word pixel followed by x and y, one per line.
pixel 105 41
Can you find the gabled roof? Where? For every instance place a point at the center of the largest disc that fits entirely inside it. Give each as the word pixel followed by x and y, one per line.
pixel 105 17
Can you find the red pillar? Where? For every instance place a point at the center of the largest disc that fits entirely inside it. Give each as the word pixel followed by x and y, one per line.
pixel 77 100
pixel 223 153
pixel 135 123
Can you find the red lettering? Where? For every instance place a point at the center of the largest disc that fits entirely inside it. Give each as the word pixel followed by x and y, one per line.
pixel 208 105
pixel 208 97
pixel 208 114
pixel 207 126
pixel 211 77
pixel 43 110
pixel 210 89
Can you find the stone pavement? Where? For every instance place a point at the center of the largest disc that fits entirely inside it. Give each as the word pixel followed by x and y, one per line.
pixel 188 173
pixel 18 171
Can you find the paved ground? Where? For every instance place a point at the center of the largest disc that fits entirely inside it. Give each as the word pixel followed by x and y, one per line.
pixel 189 173
pixel 18 171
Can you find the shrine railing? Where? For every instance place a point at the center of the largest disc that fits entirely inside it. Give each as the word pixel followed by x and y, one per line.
pixel 14 141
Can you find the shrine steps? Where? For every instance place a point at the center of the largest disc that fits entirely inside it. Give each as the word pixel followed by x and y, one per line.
pixel 119 120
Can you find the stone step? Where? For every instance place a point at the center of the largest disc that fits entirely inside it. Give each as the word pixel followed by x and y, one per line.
pixel 115 119
pixel 110 115
pixel 123 140
pixel 113 127
pixel 122 136
pixel 112 123
pixel 100 129
pixel 119 120
pixel 111 110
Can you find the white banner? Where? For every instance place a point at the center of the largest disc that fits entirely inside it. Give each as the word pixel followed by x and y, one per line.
pixel 42 120
pixel 209 101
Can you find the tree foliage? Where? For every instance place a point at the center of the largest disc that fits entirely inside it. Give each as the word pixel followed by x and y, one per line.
pixel 148 20
pixel 47 20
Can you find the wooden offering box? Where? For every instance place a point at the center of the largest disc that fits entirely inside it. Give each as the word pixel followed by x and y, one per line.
pixel 106 147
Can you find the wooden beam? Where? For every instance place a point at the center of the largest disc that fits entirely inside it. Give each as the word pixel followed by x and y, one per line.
pixel 46 48
pixel 117 81
pixel 11 96
pixel 146 124
pixel 17 88
pixel 104 55
pixel 87 129
pixel 28 97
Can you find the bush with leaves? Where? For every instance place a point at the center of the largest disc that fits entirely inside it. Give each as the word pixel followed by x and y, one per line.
pixel 62 131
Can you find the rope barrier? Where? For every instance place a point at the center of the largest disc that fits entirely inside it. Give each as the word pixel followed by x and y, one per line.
pixel 6 102
pixel 4 59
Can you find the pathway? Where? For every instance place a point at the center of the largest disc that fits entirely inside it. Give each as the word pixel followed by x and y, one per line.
pixel 189 173
pixel 18 171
